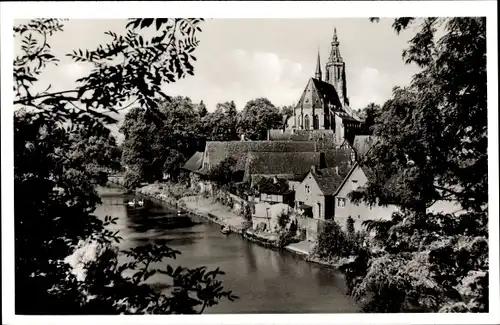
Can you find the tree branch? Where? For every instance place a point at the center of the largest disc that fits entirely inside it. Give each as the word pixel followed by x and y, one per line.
pixel 26 99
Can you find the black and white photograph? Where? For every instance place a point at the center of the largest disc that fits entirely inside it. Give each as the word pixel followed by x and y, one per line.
pixel 332 164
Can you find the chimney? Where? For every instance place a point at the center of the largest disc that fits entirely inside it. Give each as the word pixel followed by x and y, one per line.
pixel 337 170
pixel 275 180
pixel 242 137
pixel 322 160
pixel 313 169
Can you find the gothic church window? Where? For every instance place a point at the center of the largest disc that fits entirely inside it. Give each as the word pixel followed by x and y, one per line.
pixel 306 122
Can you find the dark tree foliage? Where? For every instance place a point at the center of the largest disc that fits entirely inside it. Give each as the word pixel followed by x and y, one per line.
pixel 220 125
pixel 63 149
pixel 333 243
pixel 223 172
pixel 350 226
pixel 258 116
pixel 369 114
pixel 202 110
pixel 433 148
pixel 159 140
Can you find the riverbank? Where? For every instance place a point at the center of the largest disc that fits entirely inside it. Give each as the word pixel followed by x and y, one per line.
pixel 222 215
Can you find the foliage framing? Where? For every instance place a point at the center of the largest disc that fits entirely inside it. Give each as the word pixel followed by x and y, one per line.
pixel 127 70
pixel 433 148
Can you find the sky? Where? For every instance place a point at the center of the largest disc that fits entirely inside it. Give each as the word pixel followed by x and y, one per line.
pixel 243 59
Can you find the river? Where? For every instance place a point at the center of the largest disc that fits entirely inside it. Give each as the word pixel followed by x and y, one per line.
pixel 266 281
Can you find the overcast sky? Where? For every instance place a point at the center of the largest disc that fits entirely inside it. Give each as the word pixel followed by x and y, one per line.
pixel 242 59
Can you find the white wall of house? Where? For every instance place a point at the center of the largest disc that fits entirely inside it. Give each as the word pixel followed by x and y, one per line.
pixel 277 198
pixel 359 212
pixel 309 193
pixel 269 213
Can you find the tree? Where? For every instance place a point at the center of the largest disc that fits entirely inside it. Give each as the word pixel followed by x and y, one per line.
pixel 56 139
pixel 369 114
pixel 223 172
pixel 221 124
pixel 350 226
pixel 258 116
pixel 160 140
pixel 202 110
pixel 287 112
pixel 433 147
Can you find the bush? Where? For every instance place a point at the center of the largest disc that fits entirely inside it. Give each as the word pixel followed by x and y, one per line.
pixel 350 226
pixel 247 213
pixel 285 238
pixel 131 180
pixel 283 219
pixel 293 227
pixel 333 242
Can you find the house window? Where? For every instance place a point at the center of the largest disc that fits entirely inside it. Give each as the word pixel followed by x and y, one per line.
pixel 319 210
pixel 340 202
pixel 354 184
pixel 308 189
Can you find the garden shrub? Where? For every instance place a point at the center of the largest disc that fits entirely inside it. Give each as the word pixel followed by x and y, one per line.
pixel 333 242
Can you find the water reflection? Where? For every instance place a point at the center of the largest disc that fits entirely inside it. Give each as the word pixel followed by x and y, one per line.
pixel 250 259
pixel 267 281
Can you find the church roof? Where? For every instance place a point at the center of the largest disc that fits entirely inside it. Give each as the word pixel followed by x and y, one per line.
pixel 317 93
pixel 194 163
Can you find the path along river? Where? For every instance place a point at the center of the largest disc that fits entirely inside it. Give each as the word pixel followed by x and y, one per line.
pixel 266 281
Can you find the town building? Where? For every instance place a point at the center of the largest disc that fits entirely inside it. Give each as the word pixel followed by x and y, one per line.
pixel 314 198
pixel 358 177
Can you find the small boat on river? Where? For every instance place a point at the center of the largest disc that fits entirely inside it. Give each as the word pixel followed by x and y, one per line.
pixel 225 230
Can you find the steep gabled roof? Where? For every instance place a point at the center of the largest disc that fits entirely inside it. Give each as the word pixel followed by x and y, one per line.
pixel 217 151
pixel 369 173
pixel 292 164
pixel 194 163
pixel 363 143
pixel 328 180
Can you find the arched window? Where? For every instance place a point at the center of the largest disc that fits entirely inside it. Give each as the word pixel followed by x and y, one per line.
pixel 316 122
pixel 306 122
pixel 319 210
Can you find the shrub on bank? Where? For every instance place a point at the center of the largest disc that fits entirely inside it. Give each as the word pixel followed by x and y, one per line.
pixel 333 242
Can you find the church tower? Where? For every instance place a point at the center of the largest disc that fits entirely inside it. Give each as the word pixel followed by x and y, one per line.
pixel 335 70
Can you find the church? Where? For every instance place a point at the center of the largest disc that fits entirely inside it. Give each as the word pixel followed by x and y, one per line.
pixel 324 106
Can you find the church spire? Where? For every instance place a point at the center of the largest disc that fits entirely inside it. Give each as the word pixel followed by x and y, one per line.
pixel 317 74
pixel 335 51
pixel 335 69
